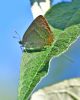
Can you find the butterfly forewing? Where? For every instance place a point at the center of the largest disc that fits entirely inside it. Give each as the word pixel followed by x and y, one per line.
pixel 38 34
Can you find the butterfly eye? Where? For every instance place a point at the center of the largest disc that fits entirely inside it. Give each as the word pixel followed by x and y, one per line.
pixel 20 42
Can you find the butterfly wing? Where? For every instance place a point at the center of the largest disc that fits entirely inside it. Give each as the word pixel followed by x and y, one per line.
pixel 38 34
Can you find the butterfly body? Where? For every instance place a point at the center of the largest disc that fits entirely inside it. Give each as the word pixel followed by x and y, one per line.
pixel 38 36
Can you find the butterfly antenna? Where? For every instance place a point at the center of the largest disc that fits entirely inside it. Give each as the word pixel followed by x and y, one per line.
pixel 17 35
pixel 19 38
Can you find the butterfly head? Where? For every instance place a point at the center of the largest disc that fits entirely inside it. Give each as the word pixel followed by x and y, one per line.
pixel 20 42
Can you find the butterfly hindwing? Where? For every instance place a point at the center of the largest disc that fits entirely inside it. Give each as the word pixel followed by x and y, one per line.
pixel 38 35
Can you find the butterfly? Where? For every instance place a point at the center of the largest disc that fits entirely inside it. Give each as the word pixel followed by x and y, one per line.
pixel 38 36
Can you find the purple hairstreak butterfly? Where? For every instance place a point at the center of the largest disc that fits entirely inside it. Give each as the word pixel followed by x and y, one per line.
pixel 38 36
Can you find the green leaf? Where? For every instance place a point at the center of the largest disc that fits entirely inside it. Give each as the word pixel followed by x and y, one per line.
pixel 64 20
pixel 64 14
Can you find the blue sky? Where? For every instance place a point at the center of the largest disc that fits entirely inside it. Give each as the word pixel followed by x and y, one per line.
pixel 14 15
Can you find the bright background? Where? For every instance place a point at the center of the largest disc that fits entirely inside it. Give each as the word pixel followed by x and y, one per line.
pixel 16 15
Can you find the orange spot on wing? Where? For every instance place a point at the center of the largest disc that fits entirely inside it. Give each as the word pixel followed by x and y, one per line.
pixel 50 39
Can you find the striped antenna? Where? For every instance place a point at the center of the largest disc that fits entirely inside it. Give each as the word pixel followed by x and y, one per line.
pixel 18 36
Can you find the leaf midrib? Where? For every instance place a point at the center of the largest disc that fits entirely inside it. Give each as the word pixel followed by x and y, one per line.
pixel 36 74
